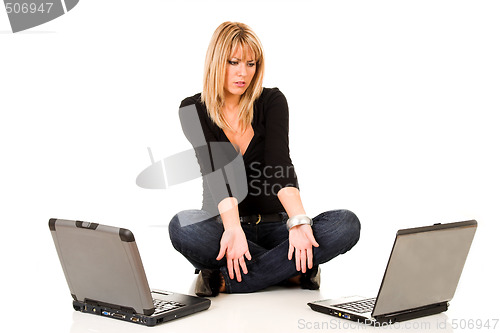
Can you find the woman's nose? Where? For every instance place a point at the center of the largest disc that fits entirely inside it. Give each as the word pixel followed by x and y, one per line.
pixel 242 69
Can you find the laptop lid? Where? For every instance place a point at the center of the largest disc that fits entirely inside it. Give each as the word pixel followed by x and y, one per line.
pixel 424 267
pixel 102 265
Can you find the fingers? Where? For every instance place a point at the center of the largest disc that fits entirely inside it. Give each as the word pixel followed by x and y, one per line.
pixel 297 259
pixel 230 268
pixel 233 267
pixel 220 255
pixel 303 258
pixel 309 258
pixel 222 252
pixel 237 269
pixel 314 243
pixel 312 240
pixel 243 265
pixel 302 242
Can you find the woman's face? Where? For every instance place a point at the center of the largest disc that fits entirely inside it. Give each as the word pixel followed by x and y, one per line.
pixel 239 72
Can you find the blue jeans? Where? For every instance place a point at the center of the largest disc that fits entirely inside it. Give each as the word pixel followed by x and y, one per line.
pixel 336 231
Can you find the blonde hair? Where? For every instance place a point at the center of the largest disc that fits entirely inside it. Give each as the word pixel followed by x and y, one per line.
pixel 226 38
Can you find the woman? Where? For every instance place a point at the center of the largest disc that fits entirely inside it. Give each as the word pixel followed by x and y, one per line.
pixel 267 238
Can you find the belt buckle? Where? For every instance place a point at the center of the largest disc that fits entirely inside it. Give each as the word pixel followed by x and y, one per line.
pixel 260 218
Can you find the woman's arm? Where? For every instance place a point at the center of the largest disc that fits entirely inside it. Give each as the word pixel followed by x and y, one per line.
pixel 301 237
pixel 290 199
pixel 233 243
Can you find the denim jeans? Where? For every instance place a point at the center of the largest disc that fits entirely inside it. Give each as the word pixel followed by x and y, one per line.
pixel 336 231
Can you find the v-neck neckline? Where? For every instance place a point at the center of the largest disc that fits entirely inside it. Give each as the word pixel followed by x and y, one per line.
pixel 234 145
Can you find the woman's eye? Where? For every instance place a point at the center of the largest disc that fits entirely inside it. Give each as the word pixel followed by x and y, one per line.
pixel 251 64
pixel 232 62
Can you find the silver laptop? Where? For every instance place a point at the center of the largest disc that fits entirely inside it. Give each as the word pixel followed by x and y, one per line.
pixel 420 278
pixel 106 277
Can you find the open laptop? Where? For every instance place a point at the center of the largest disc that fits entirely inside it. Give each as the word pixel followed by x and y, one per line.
pixel 420 278
pixel 106 277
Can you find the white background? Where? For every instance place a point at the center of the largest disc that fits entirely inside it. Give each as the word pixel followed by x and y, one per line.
pixel 392 115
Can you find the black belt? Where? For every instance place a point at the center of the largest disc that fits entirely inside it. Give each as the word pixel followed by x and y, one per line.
pixel 262 218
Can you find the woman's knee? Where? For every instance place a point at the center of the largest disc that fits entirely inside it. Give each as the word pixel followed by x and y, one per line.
pixel 176 227
pixel 352 225
pixel 346 223
pixel 174 230
pixel 192 230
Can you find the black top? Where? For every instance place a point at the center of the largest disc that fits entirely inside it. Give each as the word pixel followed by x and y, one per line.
pixel 267 159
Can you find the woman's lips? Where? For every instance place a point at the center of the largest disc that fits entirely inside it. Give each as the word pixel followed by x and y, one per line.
pixel 240 83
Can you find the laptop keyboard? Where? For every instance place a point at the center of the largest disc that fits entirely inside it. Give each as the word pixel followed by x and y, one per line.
pixel 362 306
pixel 163 306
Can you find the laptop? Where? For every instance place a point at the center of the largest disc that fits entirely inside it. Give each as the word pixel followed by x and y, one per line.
pixel 106 277
pixel 420 278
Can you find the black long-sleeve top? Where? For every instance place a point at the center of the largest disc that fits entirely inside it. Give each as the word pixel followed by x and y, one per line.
pixel 267 160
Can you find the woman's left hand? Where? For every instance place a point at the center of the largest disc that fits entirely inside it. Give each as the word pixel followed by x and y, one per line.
pixel 302 240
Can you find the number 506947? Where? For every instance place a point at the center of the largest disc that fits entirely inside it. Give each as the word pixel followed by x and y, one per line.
pixel 28 8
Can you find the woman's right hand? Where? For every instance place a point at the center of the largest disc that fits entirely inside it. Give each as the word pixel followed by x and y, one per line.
pixel 234 246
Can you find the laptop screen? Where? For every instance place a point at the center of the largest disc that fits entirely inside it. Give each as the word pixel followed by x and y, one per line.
pixel 102 264
pixel 424 267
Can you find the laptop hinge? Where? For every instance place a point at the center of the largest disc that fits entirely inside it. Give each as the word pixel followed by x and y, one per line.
pixel 412 313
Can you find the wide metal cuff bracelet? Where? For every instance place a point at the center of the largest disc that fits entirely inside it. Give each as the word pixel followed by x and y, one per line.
pixel 298 220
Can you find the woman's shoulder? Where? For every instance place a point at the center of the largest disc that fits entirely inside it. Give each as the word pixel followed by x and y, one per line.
pixel 270 94
pixel 197 102
pixel 271 99
pixel 195 99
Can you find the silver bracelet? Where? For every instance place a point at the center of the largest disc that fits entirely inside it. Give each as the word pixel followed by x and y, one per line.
pixel 298 220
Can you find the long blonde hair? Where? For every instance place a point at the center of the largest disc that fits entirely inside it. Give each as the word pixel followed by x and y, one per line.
pixel 226 38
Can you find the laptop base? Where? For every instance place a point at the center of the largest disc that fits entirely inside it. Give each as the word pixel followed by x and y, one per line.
pixel 412 314
pixel 196 304
pixel 321 306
